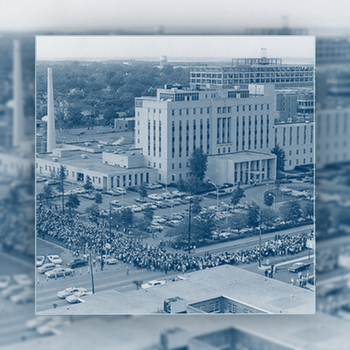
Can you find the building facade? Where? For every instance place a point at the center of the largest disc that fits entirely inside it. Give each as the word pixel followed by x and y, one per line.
pixel 297 141
pixel 169 127
pixel 253 71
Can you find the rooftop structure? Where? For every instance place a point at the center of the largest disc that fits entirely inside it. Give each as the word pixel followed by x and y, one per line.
pixel 204 291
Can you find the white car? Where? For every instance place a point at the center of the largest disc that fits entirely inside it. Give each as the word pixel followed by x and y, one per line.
pixel 12 290
pixel 51 327
pixel 79 190
pixel 26 296
pixel 23 280
pixel 155 197
pixel 74 298
pixel 38 321
pixel 152 284
pixel 55 259
pixel 4 281
pixel 120 190
pixel 69 291
pixel 136 209
pixel 111 261
pixel 59 272
pixel 115 203
pixel 39 261
pixel 47 267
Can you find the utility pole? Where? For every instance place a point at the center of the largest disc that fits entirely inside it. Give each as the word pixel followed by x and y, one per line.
pixel 260 238
pixel 92 275
pixel 189 228
pixel 110 223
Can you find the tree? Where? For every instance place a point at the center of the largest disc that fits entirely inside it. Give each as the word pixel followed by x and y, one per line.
pixel 198 164
pixel 60 187
pixel 196 207
pixel 148 213
pixel 309 209
pixel 73 202
pixel 94 213
pixel 239 221
pixel 193 185
pixel 98 198
pixel 269 217
pixel 126 217
pixel 237 194
pixel 47 193
pixel 202 226
pixel 88 184
pixel 253 215
pixel 143 191
pixel 281 158
pixel 181 185
pixel 291 211
pixel 269 198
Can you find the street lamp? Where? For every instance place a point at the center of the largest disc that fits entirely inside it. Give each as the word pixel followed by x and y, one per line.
pixel 217 194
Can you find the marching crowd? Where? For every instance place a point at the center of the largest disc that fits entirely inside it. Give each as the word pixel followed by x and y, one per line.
pixel 75 233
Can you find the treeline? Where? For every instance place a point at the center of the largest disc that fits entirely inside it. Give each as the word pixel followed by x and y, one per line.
pixel 87 93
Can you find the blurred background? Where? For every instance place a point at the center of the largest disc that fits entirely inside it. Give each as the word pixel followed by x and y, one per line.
pixel 20 21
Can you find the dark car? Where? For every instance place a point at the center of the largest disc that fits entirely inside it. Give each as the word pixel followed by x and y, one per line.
pixel 297 267
pixel 77 263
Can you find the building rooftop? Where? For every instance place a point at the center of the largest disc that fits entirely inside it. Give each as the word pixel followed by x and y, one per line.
pixel 243 156
pixel 92 162
pixel 308 332
pixel 245 287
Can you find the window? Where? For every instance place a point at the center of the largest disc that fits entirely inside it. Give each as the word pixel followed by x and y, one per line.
pixel 297 151
pixel 187 111
pixel 45 167
pixel 173 177
pixel 243 107
pixel 154 165
pixel 297 161
pixel 262 107
pixel 219 150
pixel 290 162
pixel 268 106
pixel 304 151
pixel 290 153
pixel 160 177
pixel 173 166
pixel 201 111
pixel 237 108
pixel 180 112
pixel 194 111
pixel 160 165
pixel 256 107
pixel 208 110
pixel 219 109
pixel 173 112
pixel 180 165
pixel 229 109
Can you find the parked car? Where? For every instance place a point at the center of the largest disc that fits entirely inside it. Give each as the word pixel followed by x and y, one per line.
pixel 52 182
pixel 55 259
pixel 89 196
pixel 79 190
pixel 297 267
pixel 155 197
pixel 152 284
pixel 75 297
pixel 23 279
pixel 46 267
pixel 59 272
pixel 120 190
pixel 4 281
pixel 39 260
pixel 69 291
pixel 12 290
pixel 77 263
pixel 115 203
pixel 26 296
pixel 113 193
pixel 140 200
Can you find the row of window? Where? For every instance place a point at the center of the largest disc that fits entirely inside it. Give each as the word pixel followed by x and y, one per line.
pixel 297 151
pixel 297 161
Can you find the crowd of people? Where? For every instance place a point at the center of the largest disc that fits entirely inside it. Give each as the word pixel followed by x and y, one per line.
pixel 76 233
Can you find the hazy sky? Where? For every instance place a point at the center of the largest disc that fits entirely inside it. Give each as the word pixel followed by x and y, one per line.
pixel 58 15
pixel 77 47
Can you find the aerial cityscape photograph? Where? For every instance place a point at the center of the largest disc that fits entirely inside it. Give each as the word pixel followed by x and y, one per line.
pixel 20 327
pixel 176 184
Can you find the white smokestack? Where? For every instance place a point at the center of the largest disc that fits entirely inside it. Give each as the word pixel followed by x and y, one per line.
pixel 51 133
pixel 18 113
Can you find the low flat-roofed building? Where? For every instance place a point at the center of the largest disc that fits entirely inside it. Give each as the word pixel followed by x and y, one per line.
pixel 81 164
pixel 247 292
pixel 241 167
pixel 307 332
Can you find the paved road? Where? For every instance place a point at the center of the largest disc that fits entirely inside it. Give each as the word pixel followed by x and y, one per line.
pixel 249 242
